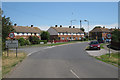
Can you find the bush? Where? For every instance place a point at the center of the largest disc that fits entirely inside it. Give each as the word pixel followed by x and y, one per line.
pixel 21 41
pixel 34 40
pixel 27 42
pixel 45 41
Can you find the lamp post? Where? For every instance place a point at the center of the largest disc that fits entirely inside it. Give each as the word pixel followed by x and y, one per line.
pixel 71 28
pixel 80 24
pixel 88 28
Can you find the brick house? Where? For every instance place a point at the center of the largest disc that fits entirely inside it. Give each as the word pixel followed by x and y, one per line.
pixel 25 31
pixel 99 33
pixel 65 33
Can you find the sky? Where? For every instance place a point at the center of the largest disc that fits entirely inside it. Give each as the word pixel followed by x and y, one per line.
pixel 47 14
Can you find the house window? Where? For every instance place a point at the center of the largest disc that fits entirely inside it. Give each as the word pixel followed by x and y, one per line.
pixel 63 38
pixel 76 38
pixel 67 38
pixel 79 38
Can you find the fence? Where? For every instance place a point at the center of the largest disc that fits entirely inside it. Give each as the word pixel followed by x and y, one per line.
pixel 115 45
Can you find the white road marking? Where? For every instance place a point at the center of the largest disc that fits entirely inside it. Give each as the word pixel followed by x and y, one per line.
pixel 74 73
pixel 40 50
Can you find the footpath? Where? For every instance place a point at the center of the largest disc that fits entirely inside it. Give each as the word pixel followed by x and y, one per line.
pixel 101 52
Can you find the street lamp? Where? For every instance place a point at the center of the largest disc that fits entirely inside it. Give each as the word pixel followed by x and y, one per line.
pixel 80 24
pixel 88 28
pixel 71 28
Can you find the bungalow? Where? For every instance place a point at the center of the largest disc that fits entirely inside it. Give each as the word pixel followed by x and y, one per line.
pixel 65 33
pixel 25 31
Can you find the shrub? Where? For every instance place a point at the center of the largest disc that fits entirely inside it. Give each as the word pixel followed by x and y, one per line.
pixel 34 39
pixel 45 41
pixel 21 41
pixel 27 42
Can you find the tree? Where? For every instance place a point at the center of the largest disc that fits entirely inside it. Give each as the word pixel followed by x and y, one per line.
pixel 6 27
pixel 116 35
pixel 82 29
pixel 45 35
pixel 34 39
pixel 97 26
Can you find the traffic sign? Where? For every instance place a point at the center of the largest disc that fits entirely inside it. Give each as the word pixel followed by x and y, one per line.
pixel 109 36
pixel 11 35
pixel 11 43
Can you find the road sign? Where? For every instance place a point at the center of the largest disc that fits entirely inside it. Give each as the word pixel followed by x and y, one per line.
pixel 12 44
pixel 109 36
pixel 11 35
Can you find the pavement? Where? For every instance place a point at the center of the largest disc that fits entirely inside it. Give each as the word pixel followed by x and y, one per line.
pixel 101 52
pixel 64 61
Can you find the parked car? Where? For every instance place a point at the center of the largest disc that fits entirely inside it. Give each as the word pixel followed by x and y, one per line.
pixel 94 45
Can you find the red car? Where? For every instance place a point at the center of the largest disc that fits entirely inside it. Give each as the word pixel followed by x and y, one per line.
pixel 94 45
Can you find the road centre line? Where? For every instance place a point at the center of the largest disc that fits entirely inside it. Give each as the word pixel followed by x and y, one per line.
pixel 74 73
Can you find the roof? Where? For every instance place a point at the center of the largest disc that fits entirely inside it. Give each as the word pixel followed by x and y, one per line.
pixel 100 30
pixel 27 29
pixel 66 29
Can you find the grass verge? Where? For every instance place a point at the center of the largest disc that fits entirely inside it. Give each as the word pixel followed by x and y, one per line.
pixel 113 59
pixel 42 45
pixel 101 45
pixel 8 63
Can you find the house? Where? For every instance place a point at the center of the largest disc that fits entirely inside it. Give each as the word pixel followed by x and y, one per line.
pixel 25 31
pixel 99 33
pixel 65 33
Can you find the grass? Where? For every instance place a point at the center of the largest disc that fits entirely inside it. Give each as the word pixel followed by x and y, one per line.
pixel 42 45
pixel 8 63
pixel 113 59
pixel 101 45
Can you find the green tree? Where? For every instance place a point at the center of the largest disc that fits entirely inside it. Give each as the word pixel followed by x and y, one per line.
pixel 116 35
pixel 6 27
pixel 98 27
pixel 45 35
pixel 82 29
pixel 34 39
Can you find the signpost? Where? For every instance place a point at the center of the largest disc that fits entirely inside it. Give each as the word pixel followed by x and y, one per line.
pixel 109 36
pixel 11 43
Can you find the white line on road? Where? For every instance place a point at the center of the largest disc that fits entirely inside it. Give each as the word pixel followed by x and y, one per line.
pixel 74 73
pixel 39 50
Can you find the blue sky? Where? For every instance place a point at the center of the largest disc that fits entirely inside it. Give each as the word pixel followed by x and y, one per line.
pixel 46 14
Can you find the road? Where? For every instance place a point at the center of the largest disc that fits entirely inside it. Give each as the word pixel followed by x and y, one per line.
pixel 66 61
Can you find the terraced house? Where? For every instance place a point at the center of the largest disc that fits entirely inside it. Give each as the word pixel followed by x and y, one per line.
pixel 25 31
pixel 65 33
pixel 99 33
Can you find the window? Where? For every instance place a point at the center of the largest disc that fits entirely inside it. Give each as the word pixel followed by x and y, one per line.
pixel 76 38
pixel 79 38
pixel 67 38
pixel 63 38
pixel 22 33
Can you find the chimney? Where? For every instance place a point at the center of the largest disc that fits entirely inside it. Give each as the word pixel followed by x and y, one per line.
pixel 69 26
pixel 15 24
pixel 55 25
pixel 60 25
pixel 73 26
pixel 31 25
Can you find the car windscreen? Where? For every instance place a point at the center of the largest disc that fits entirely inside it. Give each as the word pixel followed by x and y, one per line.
pixel 95 42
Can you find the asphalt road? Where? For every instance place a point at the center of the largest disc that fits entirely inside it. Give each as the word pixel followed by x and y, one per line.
pixel 67 61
